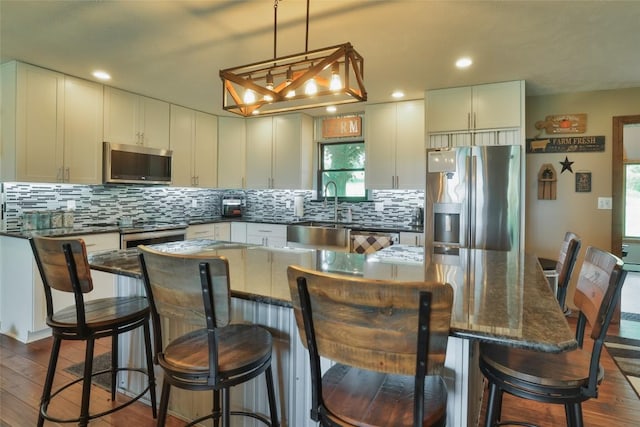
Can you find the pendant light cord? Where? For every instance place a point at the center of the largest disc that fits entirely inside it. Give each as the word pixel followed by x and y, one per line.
pixel 275 27
pixel 306 39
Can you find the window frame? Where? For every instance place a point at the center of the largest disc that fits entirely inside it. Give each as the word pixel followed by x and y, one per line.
pixel 321 170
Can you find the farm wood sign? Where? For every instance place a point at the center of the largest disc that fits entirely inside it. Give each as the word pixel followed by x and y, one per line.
pixel 567 144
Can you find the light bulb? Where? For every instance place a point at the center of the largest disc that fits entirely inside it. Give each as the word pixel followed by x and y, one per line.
pixel 311 88
pixel 291 94
pixel 335 83
pixel 249 96
pixel 269 84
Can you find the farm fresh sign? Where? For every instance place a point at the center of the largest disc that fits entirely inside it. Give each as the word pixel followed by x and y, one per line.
pixel 567 144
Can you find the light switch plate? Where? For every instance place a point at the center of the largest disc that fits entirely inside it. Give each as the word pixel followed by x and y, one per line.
pixel 379 206
pixel 194 203
pixel 604 202
pixel 71 204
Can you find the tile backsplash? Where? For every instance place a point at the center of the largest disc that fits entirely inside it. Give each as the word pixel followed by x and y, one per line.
pixel 110 203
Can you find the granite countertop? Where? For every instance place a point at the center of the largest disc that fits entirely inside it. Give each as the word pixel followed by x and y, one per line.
pixel 114 228
pixel 506 298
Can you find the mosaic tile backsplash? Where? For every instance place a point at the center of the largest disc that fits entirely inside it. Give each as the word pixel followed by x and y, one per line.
pixel 110 203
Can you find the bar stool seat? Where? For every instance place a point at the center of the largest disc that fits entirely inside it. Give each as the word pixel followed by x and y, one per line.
pixel 63 266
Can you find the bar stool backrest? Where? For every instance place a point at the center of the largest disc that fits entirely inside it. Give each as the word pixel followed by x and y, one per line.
pixel 567 259
pixel 176 287
pixel 598 289
pixel 373 324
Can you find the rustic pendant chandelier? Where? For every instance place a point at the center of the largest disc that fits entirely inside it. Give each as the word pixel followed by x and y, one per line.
pixel 316 78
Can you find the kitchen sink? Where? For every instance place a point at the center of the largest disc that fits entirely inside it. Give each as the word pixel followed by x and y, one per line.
pixel 319 235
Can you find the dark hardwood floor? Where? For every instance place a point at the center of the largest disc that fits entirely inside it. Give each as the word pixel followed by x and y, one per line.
pixel 23 368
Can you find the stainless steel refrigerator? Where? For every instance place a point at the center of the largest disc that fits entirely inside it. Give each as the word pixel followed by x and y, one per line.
pixel 473 198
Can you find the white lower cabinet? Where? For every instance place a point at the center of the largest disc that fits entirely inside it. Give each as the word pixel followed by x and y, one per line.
pixel 239 232
pixel 23 307
pixel 274 235
pixel 214 231
pixel 411 239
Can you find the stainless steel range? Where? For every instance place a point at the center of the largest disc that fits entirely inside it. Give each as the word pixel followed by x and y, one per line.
pixel 136 233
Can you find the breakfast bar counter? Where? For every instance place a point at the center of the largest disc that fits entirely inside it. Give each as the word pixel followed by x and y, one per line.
pixel 498 296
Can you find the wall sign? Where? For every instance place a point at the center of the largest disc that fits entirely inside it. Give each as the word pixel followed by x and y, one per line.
pixel 564 123
pixel 340 127
pixel 583 182
pixel 567 144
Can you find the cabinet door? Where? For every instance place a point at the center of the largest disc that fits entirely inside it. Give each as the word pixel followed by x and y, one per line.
pixel 239 232
pixel 449 109
pixel 154 122
pixel 259 149
pixel 82 131
pixel 205 150
pixel 497 105
pixel 223 231
pixel 121 116
pixel 39 124
pixel 182 131
pixel 380 145
pixel 411 239
pixel 410 147
pixel 292 152
pixel 231 152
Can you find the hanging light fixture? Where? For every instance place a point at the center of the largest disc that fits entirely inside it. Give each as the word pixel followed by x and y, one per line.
pixel 328 76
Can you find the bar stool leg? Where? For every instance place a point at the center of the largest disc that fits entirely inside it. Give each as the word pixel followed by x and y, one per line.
pixel 48 383
pixel 216 408
pixel 86 383
pixel 150 371
pixel 114 366
pixel 272 398
pixel 164 403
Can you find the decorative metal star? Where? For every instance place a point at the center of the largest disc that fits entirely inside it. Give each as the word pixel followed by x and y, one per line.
pixel 566 165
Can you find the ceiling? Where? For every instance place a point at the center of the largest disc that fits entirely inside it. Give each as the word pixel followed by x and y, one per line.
pixel 173 50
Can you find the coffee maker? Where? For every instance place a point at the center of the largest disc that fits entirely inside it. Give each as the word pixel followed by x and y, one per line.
pixel 417 217
pixel 232 206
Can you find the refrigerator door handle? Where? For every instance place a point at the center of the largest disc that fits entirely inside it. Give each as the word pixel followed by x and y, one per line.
pixel 473 182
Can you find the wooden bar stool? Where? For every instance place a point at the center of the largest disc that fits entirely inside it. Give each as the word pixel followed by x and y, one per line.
pixel 567 378
pixel 214 355
pixel 388 341
pixel 563 267
pixel 64 267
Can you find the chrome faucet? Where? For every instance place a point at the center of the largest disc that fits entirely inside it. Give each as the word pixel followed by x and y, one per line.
pixel 335 199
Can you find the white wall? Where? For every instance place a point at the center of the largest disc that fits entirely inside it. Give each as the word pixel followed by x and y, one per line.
pixel 548 220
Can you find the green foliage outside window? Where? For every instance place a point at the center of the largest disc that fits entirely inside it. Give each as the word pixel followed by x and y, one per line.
pixel 632 200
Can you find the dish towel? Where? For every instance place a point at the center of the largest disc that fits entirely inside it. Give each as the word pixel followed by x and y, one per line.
pixel 369 243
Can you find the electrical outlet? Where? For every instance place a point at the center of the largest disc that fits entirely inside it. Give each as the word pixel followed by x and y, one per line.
pixel 379 206
pixel 288 204
pixel 604 203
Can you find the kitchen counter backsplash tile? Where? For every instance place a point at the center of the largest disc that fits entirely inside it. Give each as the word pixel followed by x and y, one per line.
pixel 110 203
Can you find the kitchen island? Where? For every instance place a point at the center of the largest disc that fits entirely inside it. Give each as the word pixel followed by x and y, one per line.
pixel 498 296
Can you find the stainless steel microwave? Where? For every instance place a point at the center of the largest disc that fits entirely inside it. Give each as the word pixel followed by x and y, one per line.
pixel 135 164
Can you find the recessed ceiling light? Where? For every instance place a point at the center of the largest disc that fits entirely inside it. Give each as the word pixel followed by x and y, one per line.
pixel 331 109
pixel 101 75
pixel 464 62
pixel 398 94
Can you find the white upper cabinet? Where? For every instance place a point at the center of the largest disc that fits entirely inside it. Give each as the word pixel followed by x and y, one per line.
pixel 395 146
pixel 279 152
pixel 135 119
pixel 231 152
pixel 51 126
pixel 481 107
pixel 194 142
